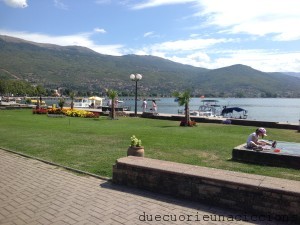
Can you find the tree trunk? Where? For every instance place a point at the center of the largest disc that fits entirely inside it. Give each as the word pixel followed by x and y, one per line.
pixel 187 114
pixel 113 109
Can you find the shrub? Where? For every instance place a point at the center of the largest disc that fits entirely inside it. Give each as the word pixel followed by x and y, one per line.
pixel 74 113
pixel 40 111
pixel 135 142
pixel 189 124
pixel 80 113
pixel 55 111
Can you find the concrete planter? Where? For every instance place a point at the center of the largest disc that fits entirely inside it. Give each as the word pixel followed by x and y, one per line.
pixel 135 151
pixel 56 115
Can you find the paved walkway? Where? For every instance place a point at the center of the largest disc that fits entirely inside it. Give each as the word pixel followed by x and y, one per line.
pixel 33 192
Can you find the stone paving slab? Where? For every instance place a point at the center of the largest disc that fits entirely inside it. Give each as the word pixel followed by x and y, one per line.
pixel 33 192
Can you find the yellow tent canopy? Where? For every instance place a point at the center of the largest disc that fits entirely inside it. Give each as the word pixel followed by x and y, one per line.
pixel 96 98
pixel 33 101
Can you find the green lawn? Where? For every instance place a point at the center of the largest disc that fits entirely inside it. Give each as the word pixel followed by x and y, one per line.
pixel 93 145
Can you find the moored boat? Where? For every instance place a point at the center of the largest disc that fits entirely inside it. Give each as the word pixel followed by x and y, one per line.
pixel 9 101
pixel 208 108
pixel 234 112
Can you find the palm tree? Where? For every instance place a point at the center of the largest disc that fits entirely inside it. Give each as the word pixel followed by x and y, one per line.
pixel 184 99
pixel 112 95
pixel 61 103
pixel 72 94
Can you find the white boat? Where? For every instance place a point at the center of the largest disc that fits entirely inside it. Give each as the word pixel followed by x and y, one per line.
pixel 209 108
pixel 9 101
pixel 91 102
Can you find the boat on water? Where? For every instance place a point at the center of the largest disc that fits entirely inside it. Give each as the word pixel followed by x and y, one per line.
pixel 9 101
pixel 213 108
pixel 209 108
pixel 91 102
pixel 234 112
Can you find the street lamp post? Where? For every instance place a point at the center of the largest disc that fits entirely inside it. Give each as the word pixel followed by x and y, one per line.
pixel 136 78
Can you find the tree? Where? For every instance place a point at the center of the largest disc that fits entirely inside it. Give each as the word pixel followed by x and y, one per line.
pixel 40 90
pixel 72 94
pixel 184 99
pixel 61 103
pixel 112 95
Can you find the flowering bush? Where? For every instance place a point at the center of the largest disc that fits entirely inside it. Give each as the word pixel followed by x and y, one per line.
pixel 93 115
pixel 135 142
pixel 39 111
pixel 55 111
pixel 189 124
pixel 74 113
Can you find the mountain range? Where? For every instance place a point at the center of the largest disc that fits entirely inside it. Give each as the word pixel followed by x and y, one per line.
pixel 81 69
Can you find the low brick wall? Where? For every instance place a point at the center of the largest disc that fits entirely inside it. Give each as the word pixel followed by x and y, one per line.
pixel 240 153
pixel 243 192
pixel 240 122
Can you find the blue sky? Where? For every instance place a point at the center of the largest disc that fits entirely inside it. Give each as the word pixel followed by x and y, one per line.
pixel 263 34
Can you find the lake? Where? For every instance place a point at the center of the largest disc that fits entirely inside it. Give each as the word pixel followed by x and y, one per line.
pixel 285 110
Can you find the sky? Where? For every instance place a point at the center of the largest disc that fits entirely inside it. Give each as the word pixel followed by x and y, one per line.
pixel 263 34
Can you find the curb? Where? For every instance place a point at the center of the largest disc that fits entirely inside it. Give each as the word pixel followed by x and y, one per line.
pixel 58 165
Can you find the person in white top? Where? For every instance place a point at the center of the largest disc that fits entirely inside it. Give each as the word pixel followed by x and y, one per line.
pixel 253 141
pixel 144 105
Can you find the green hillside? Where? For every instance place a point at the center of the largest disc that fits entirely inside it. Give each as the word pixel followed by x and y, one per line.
pixel 81 69
pixel 244 81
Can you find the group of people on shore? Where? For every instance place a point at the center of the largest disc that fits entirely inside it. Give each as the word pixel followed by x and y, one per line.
pixel 152 109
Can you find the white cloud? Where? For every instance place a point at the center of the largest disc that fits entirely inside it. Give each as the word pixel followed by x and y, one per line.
pixel 151 34
pixel 187 45
pixel 16 3
pixel 100 2
pixel 148 34
pixel 268 61
pixel 59 4
pixel 82 39
pixel 100 30
pixel 155 3
pixel 258 59
pixel 256 17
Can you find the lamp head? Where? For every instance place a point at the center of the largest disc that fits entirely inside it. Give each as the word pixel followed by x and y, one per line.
pixel 139 76
pixel 132 77
pixel 135 77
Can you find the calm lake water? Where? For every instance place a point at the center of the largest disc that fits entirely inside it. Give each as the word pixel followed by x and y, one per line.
pixel 261 109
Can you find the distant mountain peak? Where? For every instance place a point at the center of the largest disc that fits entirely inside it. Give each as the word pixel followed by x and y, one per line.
pixel 46 45
pixel 80 68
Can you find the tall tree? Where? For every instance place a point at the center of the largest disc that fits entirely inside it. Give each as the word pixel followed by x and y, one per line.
pixel 72 95
pixel 40 90
pixel 61 103
pixel 112 94
pixel 184 99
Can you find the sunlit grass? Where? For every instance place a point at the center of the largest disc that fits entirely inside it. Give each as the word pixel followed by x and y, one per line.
pixel 93 145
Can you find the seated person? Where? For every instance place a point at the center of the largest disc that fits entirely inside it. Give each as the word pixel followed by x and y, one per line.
pixel 254 143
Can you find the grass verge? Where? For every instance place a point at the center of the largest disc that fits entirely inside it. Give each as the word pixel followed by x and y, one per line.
pixel 93 145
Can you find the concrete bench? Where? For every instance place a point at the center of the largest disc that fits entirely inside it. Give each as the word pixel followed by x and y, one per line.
pixel 240 191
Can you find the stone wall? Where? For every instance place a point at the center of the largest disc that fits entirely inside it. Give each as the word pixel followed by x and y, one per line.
pixel 242 154
pixel 243 192
pixel 241 122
